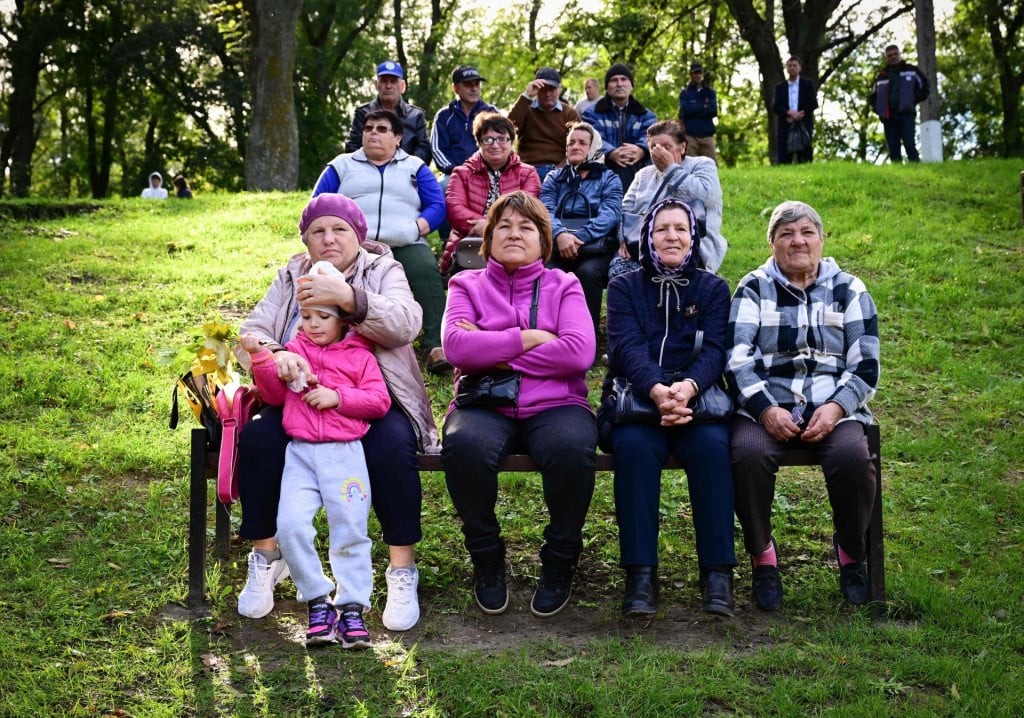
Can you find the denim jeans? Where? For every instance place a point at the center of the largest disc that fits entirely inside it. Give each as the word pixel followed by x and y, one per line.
pixel 561 441
pixel 703 451
pixel 901 128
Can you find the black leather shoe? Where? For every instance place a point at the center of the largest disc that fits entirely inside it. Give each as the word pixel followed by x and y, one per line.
pixel 641 591
pixel 853 579
pixel 489 587
pixel 716 593
pixel 767 585
pixel 553 588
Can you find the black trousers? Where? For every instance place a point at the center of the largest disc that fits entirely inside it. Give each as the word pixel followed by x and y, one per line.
pixel 849 478
pixel 561 441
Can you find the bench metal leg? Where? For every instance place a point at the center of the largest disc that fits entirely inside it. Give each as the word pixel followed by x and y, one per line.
pixel 875 542
pixel 197 522
pixel 223 530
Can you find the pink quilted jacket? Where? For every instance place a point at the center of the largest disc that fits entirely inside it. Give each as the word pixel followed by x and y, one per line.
pixel 466 196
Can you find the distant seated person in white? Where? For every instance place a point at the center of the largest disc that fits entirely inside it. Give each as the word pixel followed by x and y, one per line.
pixel 155 189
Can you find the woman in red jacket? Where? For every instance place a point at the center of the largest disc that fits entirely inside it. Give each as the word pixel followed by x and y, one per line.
pixel 492 171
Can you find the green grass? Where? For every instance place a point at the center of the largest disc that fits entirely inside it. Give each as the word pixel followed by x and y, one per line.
pixel 93 490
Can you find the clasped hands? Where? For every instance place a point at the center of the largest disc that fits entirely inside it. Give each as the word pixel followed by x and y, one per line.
pixel 627 154
pixel 673 402
pixel 780 425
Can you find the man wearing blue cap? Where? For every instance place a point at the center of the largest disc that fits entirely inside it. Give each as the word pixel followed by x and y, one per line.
pixel 390 85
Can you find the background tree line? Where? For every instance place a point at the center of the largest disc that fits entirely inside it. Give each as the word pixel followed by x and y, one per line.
pixel 259 94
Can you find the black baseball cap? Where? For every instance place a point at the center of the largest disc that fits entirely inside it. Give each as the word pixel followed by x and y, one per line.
pixel 466 73
pixel 550 76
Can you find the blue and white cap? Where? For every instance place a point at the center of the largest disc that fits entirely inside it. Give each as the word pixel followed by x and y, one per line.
pixel 390 67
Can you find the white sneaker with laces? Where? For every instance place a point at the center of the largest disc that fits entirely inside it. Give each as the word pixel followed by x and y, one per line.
pixel 257 598
pixel 402 610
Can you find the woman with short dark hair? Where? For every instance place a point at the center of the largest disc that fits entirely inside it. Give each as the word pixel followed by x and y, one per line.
pixel 490 172
pixel 516 314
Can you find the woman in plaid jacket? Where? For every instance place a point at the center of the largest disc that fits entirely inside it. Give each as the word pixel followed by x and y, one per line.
pixel 804 363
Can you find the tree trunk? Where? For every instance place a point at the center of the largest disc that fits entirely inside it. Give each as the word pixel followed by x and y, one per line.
pixel 25 53
pixel 1006 49
pixel 924 17
pixel 272 148
pixel 759 32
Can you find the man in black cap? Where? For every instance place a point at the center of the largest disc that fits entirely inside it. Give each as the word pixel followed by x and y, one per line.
pixel 541 118
pixel 390 85
pixel 622 122
pixel 698 108
pixel 451 137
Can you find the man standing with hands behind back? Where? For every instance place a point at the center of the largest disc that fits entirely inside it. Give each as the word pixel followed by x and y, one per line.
pixel 698 108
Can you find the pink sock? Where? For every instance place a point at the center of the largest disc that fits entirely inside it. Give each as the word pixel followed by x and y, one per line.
pixel 766 558
pixel 844 558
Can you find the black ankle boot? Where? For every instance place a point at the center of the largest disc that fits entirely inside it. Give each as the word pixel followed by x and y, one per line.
pixel 554 586
pixel 716 592
pixel 641 591
pixel 489 587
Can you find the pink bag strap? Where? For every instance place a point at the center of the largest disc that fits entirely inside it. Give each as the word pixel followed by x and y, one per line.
pixel 235 413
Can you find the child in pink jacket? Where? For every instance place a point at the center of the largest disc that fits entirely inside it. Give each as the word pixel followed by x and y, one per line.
pixel 326 416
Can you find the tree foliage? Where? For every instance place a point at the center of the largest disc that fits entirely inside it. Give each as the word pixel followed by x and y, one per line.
pixel 96 95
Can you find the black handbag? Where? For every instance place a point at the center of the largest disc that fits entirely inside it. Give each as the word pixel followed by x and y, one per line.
pixel 798 139
pixel 498 388
pixel 630 407
pixel 711 404
pixel 573 224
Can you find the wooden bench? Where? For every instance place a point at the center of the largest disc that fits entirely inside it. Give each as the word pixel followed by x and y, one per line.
pixel 204 467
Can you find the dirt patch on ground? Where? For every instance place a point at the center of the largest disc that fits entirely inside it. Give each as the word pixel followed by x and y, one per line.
pixel 442 627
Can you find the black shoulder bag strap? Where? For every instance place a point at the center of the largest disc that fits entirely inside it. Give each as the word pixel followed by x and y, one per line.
pixel 535 305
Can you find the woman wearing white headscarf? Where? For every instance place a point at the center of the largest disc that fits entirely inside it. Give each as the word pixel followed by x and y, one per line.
pixel 585 201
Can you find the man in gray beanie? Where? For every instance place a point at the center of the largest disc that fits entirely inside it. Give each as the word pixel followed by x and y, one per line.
pixel 622 122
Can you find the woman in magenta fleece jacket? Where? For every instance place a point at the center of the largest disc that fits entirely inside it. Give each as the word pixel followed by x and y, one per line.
pixel 517 314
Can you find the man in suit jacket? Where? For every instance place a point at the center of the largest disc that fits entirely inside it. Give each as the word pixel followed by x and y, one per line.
pixel 795 101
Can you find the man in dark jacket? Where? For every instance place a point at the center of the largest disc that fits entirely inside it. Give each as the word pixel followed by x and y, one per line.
pixel 451 136
pixel 794 105
pixel 622 123
pixel 390 85
pixel 898 89
pixel 698 108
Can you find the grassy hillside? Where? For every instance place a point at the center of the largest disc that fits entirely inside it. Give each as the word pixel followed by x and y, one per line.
pixel 93 491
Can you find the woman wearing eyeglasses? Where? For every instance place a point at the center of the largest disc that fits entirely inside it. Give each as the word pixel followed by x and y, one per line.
pixel 493 171
pixel 403 203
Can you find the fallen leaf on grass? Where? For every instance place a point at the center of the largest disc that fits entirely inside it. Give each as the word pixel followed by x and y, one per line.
pixel 954 692
pixel 59 562
pixel 69 324
pixel 115 614
pixel 558 664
